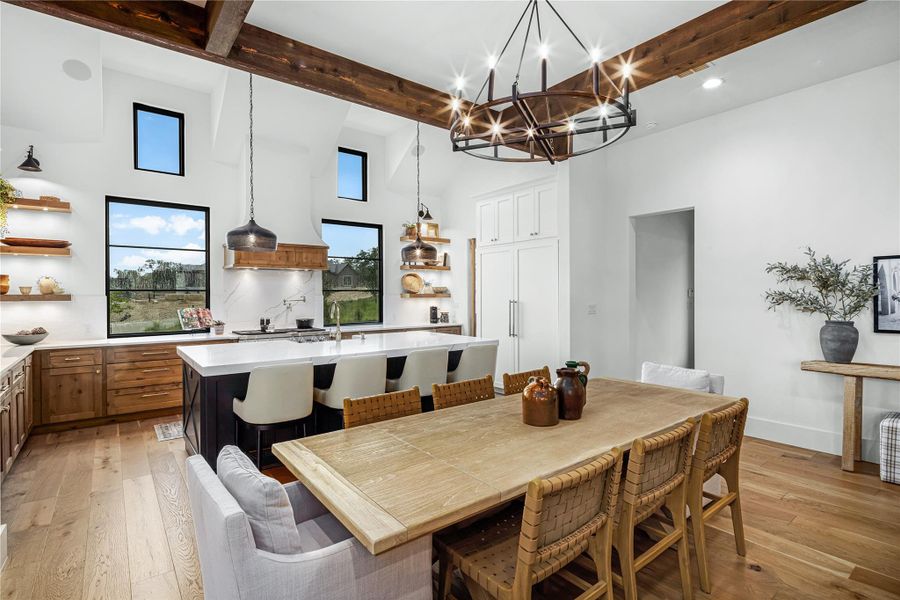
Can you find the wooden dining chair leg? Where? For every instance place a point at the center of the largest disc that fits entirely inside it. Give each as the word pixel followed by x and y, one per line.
pixel 476 591
pixel 729 472
pixel 601 551
pixel 625 550
pixel 695 503
pixel 676 504
pixel 445 578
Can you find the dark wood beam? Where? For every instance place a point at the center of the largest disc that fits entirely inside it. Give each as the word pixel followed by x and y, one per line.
pixel 224 19
pixel 181 26
pixel 722 31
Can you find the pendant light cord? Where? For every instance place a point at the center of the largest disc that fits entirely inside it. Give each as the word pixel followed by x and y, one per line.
pixel 251 146
pixel 418 177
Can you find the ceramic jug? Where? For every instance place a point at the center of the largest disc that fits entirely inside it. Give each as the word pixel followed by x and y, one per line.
pixel 585 369
pixel 571 394
pixel 539 403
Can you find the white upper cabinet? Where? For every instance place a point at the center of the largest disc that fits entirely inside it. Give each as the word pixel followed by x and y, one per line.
pixel 529 213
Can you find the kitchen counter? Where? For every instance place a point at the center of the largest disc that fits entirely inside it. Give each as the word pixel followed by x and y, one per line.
pixel 229 359
pixel 10 355
pixel 379 327
pixel 51 344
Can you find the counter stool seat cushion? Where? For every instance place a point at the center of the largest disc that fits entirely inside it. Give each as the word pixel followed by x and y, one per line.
pixel 321 532
pixel 354 377
pixel 422 369
pixel 264 501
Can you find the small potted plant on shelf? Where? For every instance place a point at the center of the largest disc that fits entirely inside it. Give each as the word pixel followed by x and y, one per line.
pixel 8 195
pixel 830 288
pixel 218 327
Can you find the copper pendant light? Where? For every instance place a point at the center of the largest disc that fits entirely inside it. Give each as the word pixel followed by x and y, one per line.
pixel 251 237
pixel 418 251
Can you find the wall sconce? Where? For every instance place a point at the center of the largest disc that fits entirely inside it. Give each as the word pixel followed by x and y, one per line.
pixel 31 163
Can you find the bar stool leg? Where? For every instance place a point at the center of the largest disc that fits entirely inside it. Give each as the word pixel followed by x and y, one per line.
pixel 259 448
pixel 237 432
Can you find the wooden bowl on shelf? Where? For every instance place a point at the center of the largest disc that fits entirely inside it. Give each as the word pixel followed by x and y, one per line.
pixel 412 283
pixel 35 242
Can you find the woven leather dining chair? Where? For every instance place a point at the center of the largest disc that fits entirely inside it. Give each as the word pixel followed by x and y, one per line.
pixel 446 395
pixel 504 556
pixel 514 383
pixel 657 477
pixel 718 452
pixel 381 407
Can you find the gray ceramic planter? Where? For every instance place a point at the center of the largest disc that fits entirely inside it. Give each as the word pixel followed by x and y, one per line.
pixel 839 340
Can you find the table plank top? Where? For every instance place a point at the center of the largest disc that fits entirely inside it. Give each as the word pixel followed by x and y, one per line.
pixel 396 480
pixel 872 371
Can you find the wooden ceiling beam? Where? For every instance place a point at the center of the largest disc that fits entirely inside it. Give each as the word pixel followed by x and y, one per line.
pixel 224 19
pixel 722 31
pixel 182 27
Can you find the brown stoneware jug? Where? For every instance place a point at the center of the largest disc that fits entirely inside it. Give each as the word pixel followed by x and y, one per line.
pixel 571 394
pixel 539 404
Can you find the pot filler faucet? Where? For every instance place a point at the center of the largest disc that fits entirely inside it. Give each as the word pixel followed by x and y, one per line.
pixel 336 315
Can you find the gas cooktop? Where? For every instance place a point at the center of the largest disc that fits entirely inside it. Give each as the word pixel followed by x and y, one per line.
pixel 286 331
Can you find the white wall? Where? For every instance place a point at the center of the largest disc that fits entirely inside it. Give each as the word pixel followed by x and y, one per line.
pixel 662 324
pixel 818 166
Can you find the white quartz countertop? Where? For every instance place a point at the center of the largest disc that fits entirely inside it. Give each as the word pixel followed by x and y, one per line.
pixel 10 355
pixel 376 327
pixel 181 338
pixel 227 359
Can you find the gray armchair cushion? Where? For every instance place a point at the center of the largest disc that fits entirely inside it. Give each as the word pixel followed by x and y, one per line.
pixel 264 501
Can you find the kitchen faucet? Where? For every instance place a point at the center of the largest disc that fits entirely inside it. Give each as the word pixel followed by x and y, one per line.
pixel 336 315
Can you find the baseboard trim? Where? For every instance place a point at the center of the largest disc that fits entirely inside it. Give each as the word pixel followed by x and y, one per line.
pixel 807 437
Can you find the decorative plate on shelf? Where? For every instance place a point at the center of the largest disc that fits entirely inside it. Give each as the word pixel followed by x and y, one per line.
pixel 412 283
pixel 35 242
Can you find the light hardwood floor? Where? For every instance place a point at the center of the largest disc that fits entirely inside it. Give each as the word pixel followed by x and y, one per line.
pixel 104 513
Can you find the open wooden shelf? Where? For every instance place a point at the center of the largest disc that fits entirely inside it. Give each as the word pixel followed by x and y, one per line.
pixel 424 295
pixel 36 298
pixel 34 251
pixel 47 203
pixel 430 240
pixel 424 268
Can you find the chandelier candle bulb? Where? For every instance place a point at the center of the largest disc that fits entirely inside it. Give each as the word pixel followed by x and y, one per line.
pixel 595 78
pixel 544 74
pixel 490 94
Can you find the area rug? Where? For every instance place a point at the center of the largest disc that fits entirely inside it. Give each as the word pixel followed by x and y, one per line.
pixel 168 431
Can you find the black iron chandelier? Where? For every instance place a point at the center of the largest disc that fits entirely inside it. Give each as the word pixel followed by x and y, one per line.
pixel 550 124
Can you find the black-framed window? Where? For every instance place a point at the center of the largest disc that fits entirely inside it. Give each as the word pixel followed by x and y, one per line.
pixel 352 174
pixel 158 140
pixel 157 262
pixel 355 276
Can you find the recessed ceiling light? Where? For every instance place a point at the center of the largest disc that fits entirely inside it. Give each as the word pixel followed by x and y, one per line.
pixel 650 124
pixel 712 83
pixel 76 69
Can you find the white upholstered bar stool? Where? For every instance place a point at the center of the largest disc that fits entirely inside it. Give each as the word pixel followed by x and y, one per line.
pixel 422 368
pixel 354 377
pixel 476 362
pixel 278 396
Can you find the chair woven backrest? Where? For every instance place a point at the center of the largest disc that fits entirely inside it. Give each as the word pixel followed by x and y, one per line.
pixel 446 395
pixel 562 513
pixel 372 409
pixel 656 466
pixel 514 383
pixel 720 438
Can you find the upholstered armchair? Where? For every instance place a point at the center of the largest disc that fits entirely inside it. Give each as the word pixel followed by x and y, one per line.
pixel 331 562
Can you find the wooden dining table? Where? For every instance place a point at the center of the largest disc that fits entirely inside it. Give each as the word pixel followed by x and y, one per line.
pixel 396 480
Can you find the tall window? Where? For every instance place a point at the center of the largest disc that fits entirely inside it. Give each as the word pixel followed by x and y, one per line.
pixel 157 262
pixel 352 174
pixel 354 275
pixel 158 140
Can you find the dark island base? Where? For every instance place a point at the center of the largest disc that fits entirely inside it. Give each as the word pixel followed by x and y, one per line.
pixel 208 419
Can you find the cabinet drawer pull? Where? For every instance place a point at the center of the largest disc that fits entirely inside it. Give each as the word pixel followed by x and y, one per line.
pixel 155 370
pixel 68 358
pixel 153 394
pixel 155 353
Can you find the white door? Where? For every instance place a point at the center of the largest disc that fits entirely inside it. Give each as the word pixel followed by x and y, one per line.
pixel 496 288
pixel 536 319
pixel 545 208
pixel 487 223
pixel 526 225
pixel 506 215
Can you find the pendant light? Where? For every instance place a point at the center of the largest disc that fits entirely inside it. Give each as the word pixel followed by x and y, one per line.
pixel 251 237
pixel 418 251
pixel 31 163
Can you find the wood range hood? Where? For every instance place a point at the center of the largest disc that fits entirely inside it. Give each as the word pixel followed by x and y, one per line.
pixel 287 257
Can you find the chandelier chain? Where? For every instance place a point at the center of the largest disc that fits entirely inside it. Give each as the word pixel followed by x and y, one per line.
pixel 418 177
pixel 251 146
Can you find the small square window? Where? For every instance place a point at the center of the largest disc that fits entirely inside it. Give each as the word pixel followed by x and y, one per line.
pixel 352 174
pixel 158 140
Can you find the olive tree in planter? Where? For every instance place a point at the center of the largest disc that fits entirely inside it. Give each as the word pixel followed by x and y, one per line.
pixel 829 288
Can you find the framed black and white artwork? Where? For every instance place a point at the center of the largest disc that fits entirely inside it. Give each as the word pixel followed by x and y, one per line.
pixel 887 300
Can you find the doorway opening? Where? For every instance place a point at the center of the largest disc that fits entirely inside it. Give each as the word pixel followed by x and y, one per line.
pixel 662 323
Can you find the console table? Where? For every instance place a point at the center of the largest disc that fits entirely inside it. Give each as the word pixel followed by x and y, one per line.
pixel 853 374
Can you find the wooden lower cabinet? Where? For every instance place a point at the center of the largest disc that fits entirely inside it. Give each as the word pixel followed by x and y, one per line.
pixel 129 400
pixel 16 413
pixel 72 393
pixel 6 428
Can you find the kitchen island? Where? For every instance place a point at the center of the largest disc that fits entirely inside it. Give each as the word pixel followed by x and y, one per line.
pixel 215 375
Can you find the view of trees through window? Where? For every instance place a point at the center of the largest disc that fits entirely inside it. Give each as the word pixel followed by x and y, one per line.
pixel 353 278
pixel 157 259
